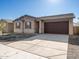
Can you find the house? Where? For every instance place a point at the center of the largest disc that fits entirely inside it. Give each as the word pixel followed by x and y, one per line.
pixel 57 24
pixel 8 25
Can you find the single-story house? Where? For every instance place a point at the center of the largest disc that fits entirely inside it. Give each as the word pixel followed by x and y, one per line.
pixel 57 24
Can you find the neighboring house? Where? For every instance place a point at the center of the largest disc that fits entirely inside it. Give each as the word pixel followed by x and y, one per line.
pixel 9 26
pixel 58 24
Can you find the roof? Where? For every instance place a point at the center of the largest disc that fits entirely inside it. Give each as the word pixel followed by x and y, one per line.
pixel 6 20
pixel 23 17
pixel 68 15
pixel 9 21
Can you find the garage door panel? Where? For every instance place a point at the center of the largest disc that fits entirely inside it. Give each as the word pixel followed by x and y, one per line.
pixel 56 27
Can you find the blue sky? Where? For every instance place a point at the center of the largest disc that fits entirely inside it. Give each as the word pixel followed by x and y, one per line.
pixel 11 9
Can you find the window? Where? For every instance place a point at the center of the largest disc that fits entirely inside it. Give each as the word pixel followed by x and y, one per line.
pixel 18 25
pixel 28 25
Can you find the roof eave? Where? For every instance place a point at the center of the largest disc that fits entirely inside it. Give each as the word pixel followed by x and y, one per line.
pixel 70 15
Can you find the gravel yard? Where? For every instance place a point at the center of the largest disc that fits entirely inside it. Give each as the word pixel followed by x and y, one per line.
pixel 73 47
pixel 6 39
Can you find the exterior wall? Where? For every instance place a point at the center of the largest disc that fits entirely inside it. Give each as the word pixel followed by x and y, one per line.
pixel 36 26
pixel 10 27
pixel 16 30
pixel 41 24
pixel 70 26
pixel 76 30
pixel 32 30
pixel 23 29
pixel 56 20
pixel 6 28
pixel 41 27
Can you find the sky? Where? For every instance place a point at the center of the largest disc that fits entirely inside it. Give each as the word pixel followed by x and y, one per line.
pixel 12 9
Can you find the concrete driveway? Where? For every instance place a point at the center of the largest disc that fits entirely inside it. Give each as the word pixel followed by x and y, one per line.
pixel 12 53
pixel 50 46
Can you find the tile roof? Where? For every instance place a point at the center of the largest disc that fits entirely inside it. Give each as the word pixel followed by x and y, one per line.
pixel 23 17
pixel 68 15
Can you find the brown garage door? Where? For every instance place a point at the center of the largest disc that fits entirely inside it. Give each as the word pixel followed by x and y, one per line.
pixel 56 27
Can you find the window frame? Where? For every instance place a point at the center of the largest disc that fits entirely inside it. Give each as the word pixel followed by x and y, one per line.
pixel 18 25
pixel 28 25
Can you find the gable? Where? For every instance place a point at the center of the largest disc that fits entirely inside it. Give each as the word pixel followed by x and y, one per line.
pixel 25 17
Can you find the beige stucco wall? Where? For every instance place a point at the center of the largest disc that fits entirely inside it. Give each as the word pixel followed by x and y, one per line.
pixel 32 30
pixel 6 28
pixel 71 27
pixel 41 26
pixel 9 27
pixel 21 30
pixel 41 20
pixel 16 30
pixel 56 20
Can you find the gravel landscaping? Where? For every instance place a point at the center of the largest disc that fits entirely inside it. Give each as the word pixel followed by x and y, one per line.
pixel 5 39
pixel 73 47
